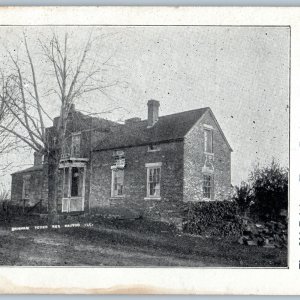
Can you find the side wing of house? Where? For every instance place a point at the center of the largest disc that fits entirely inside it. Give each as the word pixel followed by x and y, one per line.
pixel 74 176
pixel 27 189
pixel 207 161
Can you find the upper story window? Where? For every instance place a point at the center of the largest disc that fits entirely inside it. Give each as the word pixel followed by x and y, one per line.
pixel 153 148
pixel 208 140
pixel 119 157
pixel 75 145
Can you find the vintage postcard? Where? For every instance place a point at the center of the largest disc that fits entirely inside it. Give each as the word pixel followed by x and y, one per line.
pixel 149 150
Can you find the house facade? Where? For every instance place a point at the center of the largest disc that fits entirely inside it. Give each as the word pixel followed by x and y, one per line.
pixel 143 167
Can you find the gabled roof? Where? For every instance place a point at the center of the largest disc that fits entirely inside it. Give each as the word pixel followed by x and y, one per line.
pixel 31 169
pixel 167 128
pixel 220 130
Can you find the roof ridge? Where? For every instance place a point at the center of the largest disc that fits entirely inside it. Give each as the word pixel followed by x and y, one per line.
pixel 167 128
pixel 187 111
pixel 29 169
pixel 179 113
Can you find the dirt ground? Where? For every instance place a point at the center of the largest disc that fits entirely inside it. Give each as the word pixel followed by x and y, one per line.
pixel 111 246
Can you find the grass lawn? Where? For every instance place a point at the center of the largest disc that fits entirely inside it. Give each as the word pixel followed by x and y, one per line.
pixel 129 243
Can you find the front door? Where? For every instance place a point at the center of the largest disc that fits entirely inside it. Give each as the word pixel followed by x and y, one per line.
pixel 73 188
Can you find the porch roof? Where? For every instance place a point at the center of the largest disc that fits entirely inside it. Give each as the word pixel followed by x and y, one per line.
pixel 31 169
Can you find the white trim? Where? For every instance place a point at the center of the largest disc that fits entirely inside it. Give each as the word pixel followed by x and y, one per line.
pixel 112 191
pixel 83 187
pixel 156 148
pixel 153 165
pixel 80 163
pixel 74 159
pixel 74 134
pixel 208 127
pixel 25 180
pixel 209 153
pixel 206 171
pixel 112 182
pixel 152 198
pixel 117 197
pixel 212 182
pixel 69 197
pixel 206 132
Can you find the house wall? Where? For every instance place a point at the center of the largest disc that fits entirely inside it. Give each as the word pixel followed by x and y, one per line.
pixel 35 188
pixel 92 131
pixel 194 160
pixel 135 181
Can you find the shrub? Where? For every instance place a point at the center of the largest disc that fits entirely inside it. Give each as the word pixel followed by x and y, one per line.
pixel 9 211
pixel 244 197
pixel 214 218
pixel 270 188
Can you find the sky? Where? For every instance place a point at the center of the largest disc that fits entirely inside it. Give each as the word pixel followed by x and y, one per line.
pixel 241 73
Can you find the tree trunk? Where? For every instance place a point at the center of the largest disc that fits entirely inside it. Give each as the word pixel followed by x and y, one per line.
pixel 53 170
pixel 54 175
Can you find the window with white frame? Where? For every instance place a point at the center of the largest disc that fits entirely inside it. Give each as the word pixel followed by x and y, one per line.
pixel 75 145
pixel 26 187
pixel 208 140
pixel 117 189
pixel 207 186
pixel 153 180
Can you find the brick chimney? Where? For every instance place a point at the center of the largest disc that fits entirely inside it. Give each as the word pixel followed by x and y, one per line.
pixel 38 159
pixel 153 110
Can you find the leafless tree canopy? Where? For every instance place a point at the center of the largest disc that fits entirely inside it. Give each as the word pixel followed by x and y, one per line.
pixel 22 95
pixel 25 89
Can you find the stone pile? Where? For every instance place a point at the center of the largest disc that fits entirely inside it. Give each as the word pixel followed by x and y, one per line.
pixel 269 235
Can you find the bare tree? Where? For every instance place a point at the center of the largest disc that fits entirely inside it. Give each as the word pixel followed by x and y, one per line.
pixel 7 144
pixel 73 78
pixel 4 193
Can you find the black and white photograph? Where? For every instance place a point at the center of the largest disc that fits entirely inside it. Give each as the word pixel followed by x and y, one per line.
pixel 144 146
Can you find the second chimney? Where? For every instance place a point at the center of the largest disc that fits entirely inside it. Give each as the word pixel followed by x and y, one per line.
pixel 153 109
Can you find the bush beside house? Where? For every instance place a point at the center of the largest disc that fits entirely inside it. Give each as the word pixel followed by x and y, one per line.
pixel 257 212
pixel 212 218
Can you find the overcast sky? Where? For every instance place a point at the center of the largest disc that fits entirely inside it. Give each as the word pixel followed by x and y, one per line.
pixel 242 73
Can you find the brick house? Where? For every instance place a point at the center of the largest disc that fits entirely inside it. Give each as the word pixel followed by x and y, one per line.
pixel 148 167
pixel 31 186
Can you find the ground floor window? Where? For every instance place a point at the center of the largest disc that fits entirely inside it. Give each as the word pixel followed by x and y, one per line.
pixel 153 180
pixel 207 186
pixel 26 187
pixel 117 188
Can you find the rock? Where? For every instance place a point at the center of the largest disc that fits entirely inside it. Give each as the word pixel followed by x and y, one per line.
pixel 260 241
pixel 251 243
pixel 269 246
pixel 241 240
pixel 270 234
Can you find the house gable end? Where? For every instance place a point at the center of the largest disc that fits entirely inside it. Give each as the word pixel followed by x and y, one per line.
pixel 201 122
